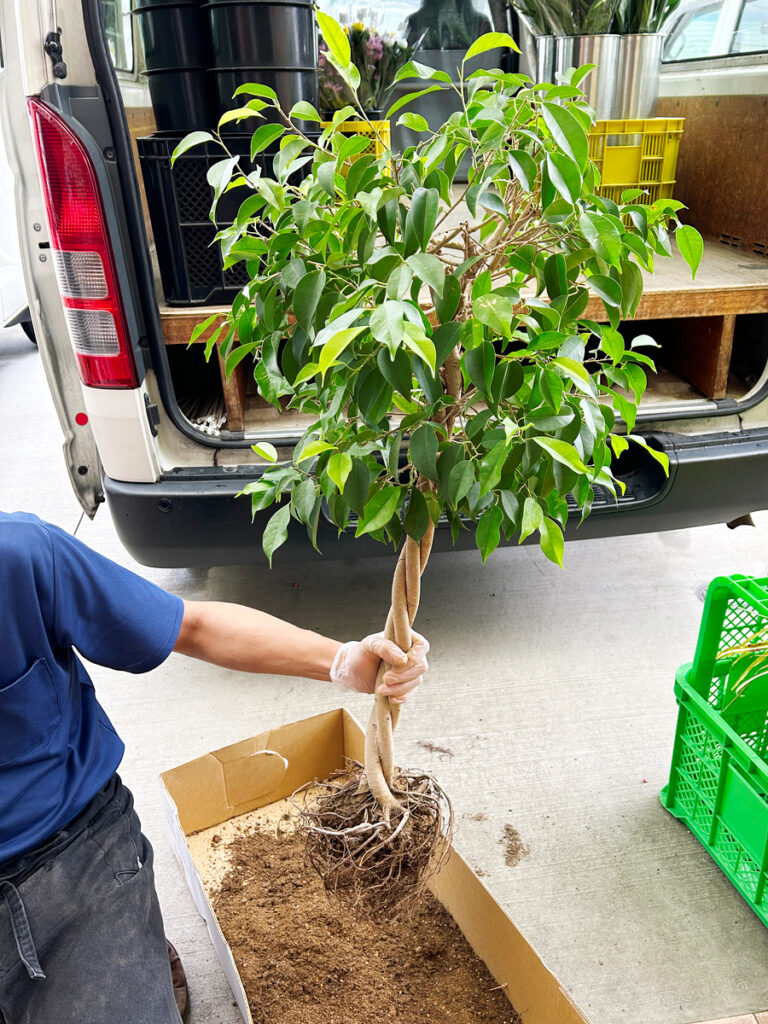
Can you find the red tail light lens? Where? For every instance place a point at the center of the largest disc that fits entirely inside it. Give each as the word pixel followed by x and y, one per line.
pixel 81 252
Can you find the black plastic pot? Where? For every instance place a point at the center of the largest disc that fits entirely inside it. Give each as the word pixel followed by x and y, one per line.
pixel 181 99
pixel 260 3
pixel 264 35
pixel 290 84
pixel 174 35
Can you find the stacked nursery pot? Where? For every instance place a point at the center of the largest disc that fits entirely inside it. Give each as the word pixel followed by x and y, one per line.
pixel 177 50
pixel 269 42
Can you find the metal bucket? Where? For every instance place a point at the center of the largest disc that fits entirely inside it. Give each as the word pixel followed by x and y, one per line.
pixel 601 85
pixel 640 68
pixel 545 59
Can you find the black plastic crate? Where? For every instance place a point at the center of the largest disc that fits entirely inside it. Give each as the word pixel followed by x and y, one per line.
pixel 179 200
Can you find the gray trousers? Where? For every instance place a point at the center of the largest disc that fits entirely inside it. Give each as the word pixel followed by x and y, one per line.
pixel 81 935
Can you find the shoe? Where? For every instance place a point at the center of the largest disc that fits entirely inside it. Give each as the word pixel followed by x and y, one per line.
pixel 179 978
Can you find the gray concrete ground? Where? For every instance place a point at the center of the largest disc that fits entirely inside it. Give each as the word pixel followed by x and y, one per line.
pixel 552 689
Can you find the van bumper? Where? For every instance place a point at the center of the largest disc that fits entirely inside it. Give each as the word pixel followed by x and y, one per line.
pixel 198 520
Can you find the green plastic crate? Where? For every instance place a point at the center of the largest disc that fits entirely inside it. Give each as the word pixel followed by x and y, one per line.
pixel 718 784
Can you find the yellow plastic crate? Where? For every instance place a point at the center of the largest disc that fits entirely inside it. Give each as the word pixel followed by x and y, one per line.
pixel 636 154
pixel 379 132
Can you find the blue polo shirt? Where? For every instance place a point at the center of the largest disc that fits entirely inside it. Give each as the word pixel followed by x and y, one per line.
pixel 57 746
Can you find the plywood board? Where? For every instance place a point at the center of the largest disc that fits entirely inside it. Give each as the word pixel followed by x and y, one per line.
pixel 722 171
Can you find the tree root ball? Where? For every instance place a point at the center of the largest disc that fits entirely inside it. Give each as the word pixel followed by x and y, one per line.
pixel 375 868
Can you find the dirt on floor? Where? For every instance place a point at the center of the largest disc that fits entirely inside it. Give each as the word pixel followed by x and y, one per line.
pixel 303 961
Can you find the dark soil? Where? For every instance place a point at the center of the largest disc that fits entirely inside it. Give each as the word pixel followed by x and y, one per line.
pixel 303 961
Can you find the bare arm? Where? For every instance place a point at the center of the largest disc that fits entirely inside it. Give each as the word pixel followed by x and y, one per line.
pixel 247 640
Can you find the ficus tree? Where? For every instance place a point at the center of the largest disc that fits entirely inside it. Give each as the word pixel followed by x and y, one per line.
pixel 435 332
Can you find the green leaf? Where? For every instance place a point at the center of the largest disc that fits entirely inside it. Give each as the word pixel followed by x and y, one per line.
pixel 239 114
pixel 565 176
pixel 532 518
pixel 460 481
pixel 312 450
pixel 387 325
pixel 265 450
pixel 219 176
pixel 335 345
pixel 418 342
pixel 567 132
pixel 306 297
pixel 339 467
pixel 491 467
pixel 524 168
pixel 415 122
pixel 480 363
pixel 691 246
pixel 555 276
pixel 661 457
pixel 411 96
pixel 429 269
pixel 200 329
pixel 608 289
pixel 276 531
pixel 447 304
pixel 264 137
pixel 396 371
pixel 303 498
pixel 255 89
pixel 422 451
pixel 420 222
pixel 413 69
pixel 488 532
pixel 357 486
pixel 416 520
pixel 564 452
pixel 490 41
pixel 496 312
pixel 379 510
pixel 304 111
pixel 193 139
pixel 335 37
pixel 551 540
pixel 603 236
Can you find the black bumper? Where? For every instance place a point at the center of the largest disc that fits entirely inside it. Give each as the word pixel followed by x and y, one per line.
pixel 197 521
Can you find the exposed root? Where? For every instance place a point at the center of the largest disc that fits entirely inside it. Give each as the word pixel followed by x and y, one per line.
pixel 376 868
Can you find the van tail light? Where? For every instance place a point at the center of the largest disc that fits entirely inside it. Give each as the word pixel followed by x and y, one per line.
pixel 81 252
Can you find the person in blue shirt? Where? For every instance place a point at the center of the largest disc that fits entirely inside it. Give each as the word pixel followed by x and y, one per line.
pixel 81 935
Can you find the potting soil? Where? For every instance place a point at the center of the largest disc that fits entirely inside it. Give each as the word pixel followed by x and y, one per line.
pixel 304 961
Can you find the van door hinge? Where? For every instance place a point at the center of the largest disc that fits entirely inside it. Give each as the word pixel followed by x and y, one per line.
pixel 52 47
pixel 153 415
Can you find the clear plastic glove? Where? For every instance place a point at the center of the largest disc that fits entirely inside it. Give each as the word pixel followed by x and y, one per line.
pixel 357 663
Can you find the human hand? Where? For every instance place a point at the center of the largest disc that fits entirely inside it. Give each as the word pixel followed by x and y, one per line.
pixel 357 663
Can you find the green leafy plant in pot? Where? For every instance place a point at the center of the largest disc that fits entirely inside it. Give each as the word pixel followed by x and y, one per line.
pixel 436 337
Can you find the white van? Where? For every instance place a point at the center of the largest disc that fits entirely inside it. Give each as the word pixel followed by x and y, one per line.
pixel 159 433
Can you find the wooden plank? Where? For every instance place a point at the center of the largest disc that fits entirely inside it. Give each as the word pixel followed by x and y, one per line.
pixel 234 395
pixel 728 282
pixel 722 173
pixel 698 349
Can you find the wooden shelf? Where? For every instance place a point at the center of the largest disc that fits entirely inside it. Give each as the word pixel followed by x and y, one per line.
pixel 699 318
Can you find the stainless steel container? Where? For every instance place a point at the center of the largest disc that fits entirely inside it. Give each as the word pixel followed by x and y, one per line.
pixel 545 59
pixel 640 67
pixel 601 85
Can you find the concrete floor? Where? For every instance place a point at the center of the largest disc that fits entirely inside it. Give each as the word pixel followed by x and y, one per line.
pixel 564 734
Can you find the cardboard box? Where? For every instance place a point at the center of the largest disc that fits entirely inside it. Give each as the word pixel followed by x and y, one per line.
pixel 267 768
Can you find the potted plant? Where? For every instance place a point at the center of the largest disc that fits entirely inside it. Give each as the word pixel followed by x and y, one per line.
pixel 572 33
pixel 641 24
pixel 377 58
pixel 436 337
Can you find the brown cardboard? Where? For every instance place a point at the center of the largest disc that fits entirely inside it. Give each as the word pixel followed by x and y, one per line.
pixel 267 768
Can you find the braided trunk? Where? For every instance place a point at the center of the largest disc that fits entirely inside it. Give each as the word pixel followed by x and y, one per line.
pixel 379 742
